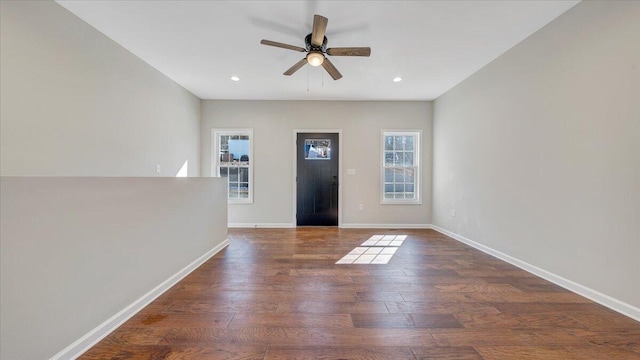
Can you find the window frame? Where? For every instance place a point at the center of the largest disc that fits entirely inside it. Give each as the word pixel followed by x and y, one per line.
pixel 417 199
pixel 215 163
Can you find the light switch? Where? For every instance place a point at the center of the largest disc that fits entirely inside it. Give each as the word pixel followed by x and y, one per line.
pixel 351 171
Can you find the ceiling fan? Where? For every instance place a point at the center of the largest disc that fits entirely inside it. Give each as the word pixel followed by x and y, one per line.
pixel 316 48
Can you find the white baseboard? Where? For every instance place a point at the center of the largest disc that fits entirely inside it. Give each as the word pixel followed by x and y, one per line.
pixel 385 226
pixel 101 331
pixel 602 299
pixel 344 226
pixel 262 225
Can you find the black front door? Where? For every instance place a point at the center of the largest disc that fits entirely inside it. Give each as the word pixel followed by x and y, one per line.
pixel 317 179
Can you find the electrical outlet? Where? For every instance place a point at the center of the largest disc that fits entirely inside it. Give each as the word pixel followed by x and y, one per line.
pixel 453 212
pixel 157 168
pixel 361 207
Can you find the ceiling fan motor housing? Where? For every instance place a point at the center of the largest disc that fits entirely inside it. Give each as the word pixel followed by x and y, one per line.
pixel 310 47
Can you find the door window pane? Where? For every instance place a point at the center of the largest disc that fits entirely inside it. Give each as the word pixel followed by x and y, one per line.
pixel 317 149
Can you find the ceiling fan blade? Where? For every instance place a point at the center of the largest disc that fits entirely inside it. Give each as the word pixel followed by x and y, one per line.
pixel 349 51
pixel 296 67
pixel 327 65
pixel 319 29
pixel 281 45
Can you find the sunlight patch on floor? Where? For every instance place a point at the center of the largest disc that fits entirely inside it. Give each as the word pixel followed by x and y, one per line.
pixel 378 249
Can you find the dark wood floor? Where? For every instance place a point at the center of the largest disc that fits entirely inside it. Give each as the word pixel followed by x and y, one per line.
pixel 277 294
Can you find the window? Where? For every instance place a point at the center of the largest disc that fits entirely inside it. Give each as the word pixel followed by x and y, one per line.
pixel 233 159
pixel 400 167
pixel 317 149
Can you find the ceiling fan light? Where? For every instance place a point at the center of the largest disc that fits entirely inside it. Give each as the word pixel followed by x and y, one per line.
pixel 315 58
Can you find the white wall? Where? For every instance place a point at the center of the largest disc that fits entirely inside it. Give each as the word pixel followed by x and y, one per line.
pixel 539 152
pixel 77 250
pixel 361 122
pixel 75 103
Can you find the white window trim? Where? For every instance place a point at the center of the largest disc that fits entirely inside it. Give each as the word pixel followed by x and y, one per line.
pixel 215 157
pixel 417 165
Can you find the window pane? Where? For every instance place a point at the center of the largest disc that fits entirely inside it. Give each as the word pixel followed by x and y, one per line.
pixel 224 143
pixel 233 174
pixel 408 158
pixel 409 143
pixel 388 158
pixel 315 149
pixel 244 190
pixel 397 159
pixel 224 172
pixel 388 142
pixel 409 176
pixel 408 188
pixel 244 174
pixel 233 190
pixel 399 188
pixel 388 188
pixel 398 143
pixel 399 175
pixel 388 174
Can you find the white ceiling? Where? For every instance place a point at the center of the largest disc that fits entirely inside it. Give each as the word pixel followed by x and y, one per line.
pixel 432 45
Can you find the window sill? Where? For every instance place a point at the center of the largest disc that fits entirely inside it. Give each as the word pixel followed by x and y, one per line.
pixel 401 202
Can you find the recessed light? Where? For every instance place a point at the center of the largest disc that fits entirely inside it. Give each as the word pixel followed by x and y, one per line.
pixel 397 79
pixel 235 78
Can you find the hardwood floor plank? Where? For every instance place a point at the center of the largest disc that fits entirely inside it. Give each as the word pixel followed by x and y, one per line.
pixel 399 320
pixel 551 307
pixel 292 320
pixel 445 353
pixel 549 337
pixel 440 296
pixel 517 321
pixel 217 351
pixel 319 307
pixel 598 353
pixel 620 339
pixel 474 337
pixel 379 296
pixel 526 353
pixel 474 288
pixel 212 307
pixel 352 352
pixel 142 352
pixel 440 308
pixel 163 320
